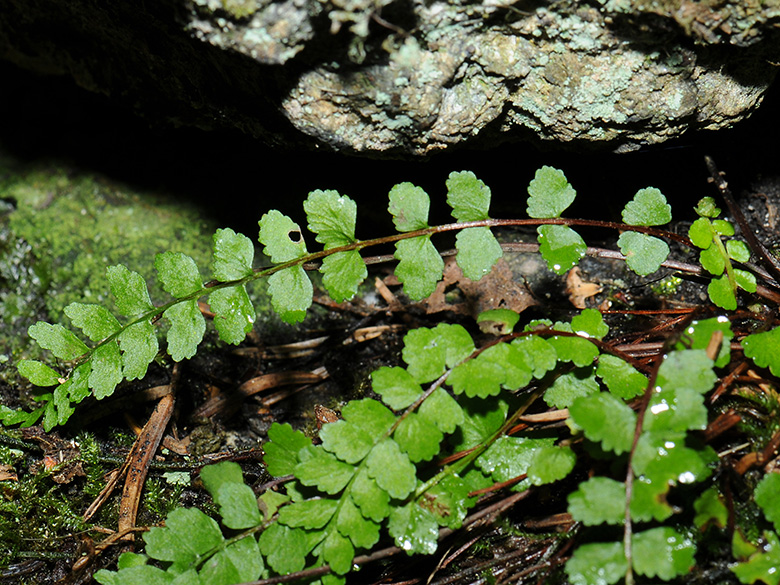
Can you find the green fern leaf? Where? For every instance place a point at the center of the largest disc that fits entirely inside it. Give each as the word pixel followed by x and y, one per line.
pixel 409 207
pixel 239 562
pixel 511 457
pixel 94 320
pixel 321 469
pixel 549 193
pixel 598 500
pixel 106 371
pixel 662 552
pixel 478 252
pixel 347 441
pixel 662 456
pixel 291 293
pixel 362 531
pixel 414 529
pixel 762 565
pixel 309 514
pixel 560 246
pixel 538 353
pixel 342 274
pixel 284 548
pixel 448 501
pixel 396 386
pixel 648 207
pixel 188 533
pixel 621 378
pixel 373 501
pixel 337 551
pixel 764 349
pixel 391 469
pixel 419 268
pixel 550 463
pixel 644 254
pixel 442 410
pixel 569 386
pixel 236 500
pixel 233 255
pixel 62 342
pixel 418 438
pixel 481 419
pixel 331 217
pixel 597 563
pixel 281 237
pixel 178 274
pixel 234 314
pixel 129 290
pixel 428 352
pixel 605 419
pixel 468 196
pixel 282 448
pixel 577 350
pixel 767 496
pixel 139 347
pixel 187 329
pixel 722 293
pixel 38 373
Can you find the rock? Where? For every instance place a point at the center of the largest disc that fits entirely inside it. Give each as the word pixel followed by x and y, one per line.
pixel 390 78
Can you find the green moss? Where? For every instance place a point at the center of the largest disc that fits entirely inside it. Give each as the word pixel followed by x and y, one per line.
pixel 240 8
pixel 59 231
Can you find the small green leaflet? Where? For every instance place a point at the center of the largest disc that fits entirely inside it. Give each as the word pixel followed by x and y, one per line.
pixel 281 237
pixel 38 373
pixel 409 207
pixel 478 252
pixel 598 500
pixel 662 552
pixel 396 386
pixel 233 255
pixel 589 323
pixel 478 249
pixel 569 386
pixel 560 246
pixel 391 469
pixel 188 533
pixel 234 314
pixel 644 254
pixel 597 563
pixel 363 532
pixel 332 218
pixel 428 352
pixel 236 500
pixel 94 320
pixel 767 496
pixel 319 468
pixel 129 289
pixel 178 274
pixel 468 196
pixel 139 347
pixel 414 529
pixel 511 457
pixel 550 463
pixel 285 548
pixel 187 329
pixel 764 349
pixel 291 293
pixel 281 451
pixel 420 266
pixel 106 370
pixel 60 341
pixel 762 565
pixel 648 207
pixel 606 419
pixel 549 193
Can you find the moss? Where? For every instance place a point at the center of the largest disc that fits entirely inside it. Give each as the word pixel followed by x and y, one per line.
pixel 60 230
pixel 240 8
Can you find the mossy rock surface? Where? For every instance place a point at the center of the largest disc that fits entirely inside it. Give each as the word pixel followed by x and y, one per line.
pixel 59 230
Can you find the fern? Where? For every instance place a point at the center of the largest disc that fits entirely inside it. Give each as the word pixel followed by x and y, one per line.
pixel 374 474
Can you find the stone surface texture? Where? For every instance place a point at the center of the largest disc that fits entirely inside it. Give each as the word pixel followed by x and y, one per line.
pixel 412 77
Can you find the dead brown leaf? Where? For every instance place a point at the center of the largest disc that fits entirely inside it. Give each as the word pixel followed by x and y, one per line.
pixel 579 289
pixel 497 290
